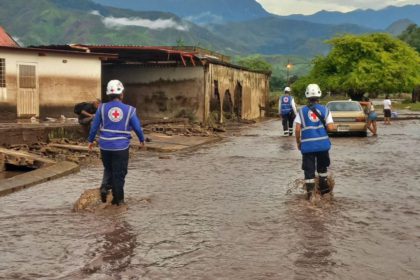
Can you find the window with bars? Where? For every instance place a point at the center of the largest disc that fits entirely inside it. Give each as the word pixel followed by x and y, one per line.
pixel 2 73
pixel 27 76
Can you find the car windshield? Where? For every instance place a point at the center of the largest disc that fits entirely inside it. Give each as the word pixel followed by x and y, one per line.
pixel 344 106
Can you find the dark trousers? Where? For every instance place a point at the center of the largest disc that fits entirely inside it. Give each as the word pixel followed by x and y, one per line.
pixel 287 121
pixel 115 169
pixel 312 162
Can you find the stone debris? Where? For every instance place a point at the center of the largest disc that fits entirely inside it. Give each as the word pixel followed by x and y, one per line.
pixel 90 201
pixel 165 157
pixel 179 129
pixel 59 150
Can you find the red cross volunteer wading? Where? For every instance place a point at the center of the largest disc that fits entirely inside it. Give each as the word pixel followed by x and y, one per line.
pixel 312 116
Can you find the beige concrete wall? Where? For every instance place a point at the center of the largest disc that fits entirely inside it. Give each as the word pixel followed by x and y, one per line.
pixel 161 92
pixel 63 80
pixel 255 89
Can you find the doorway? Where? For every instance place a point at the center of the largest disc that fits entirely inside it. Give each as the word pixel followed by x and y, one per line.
pixel 28 93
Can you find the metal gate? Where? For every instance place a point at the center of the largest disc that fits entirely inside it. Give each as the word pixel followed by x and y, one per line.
pixel 28 94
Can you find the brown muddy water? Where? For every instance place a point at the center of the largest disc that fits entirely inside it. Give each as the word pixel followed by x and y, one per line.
pixel 222 213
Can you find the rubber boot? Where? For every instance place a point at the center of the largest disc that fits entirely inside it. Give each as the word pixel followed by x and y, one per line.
pixel 309 189
pixel 323 185
pixel 118 195
pixel 104 193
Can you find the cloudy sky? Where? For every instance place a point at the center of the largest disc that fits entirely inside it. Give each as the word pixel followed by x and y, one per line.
pixel 287 7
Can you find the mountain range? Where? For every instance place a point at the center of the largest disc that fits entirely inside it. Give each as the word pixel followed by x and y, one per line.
pixel 374 19
pixel 82 21
pixel 240 10
pixel 197 11
pixel 234 27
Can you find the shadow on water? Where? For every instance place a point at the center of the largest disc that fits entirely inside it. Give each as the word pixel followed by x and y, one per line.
pixel 312 253
pixel 111 258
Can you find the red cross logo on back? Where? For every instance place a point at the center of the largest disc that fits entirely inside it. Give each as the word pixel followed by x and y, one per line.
pixel 312 116
pixel 115 114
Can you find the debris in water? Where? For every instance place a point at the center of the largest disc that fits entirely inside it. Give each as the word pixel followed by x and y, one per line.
pixel 165 157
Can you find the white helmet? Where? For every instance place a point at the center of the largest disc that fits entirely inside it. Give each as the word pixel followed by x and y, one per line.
pixel 114 87
pixel 313 90
pixel 287 89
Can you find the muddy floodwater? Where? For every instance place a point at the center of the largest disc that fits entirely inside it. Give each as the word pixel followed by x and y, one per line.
pixel 222 212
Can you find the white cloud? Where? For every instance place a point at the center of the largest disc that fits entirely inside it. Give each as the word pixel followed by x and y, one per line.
pixel 95 13
pixel 287 7
pixel 115 22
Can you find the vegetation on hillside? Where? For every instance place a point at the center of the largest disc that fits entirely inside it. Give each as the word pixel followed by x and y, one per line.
pixel 255 62
pixel 412 36
pixel 282 67
pixel 373 64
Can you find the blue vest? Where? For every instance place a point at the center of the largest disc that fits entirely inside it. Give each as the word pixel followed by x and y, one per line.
pixel 115 132
pixel 314 135
pixel 286 105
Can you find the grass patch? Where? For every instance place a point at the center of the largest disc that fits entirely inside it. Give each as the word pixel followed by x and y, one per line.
pixel 407 106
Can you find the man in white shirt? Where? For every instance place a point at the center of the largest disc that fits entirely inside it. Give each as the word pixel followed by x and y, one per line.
pixel 387 110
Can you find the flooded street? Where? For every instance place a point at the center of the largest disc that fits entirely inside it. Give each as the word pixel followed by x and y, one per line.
pixel 222 212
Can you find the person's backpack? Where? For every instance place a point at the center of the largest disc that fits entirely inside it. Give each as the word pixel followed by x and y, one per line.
pixel 78 108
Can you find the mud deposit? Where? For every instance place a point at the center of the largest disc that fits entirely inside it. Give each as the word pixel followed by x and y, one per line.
pixel 222 213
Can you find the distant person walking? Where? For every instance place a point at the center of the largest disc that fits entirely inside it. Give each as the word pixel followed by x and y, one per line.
pixel 387 110
pixel 287 111
pixel 372 116
pixel 115 120
pixel 312 125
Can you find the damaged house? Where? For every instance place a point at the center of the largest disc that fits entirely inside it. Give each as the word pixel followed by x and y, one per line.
pixel 45 82
pixel 171 82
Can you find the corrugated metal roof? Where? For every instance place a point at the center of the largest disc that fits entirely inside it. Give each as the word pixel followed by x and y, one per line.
pixel 152 55
pixel 140 54
pixel 6 40
pixel 42 51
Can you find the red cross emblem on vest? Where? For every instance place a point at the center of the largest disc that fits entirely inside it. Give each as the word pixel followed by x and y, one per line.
pixel 115 114
pixel 312 116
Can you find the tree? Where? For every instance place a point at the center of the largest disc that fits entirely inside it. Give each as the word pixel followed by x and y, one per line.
pixel 373 63
pixel 255 62
pixel 277 83
pixel 412 36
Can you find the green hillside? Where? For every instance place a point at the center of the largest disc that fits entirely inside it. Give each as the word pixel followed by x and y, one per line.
pixel 275 35
pixel 40 22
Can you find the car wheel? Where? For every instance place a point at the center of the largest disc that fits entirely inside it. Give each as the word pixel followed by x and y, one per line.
pixel 363 134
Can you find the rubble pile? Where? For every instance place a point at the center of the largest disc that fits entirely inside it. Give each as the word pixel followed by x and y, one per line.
pixel 178 129
pixel 58 150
